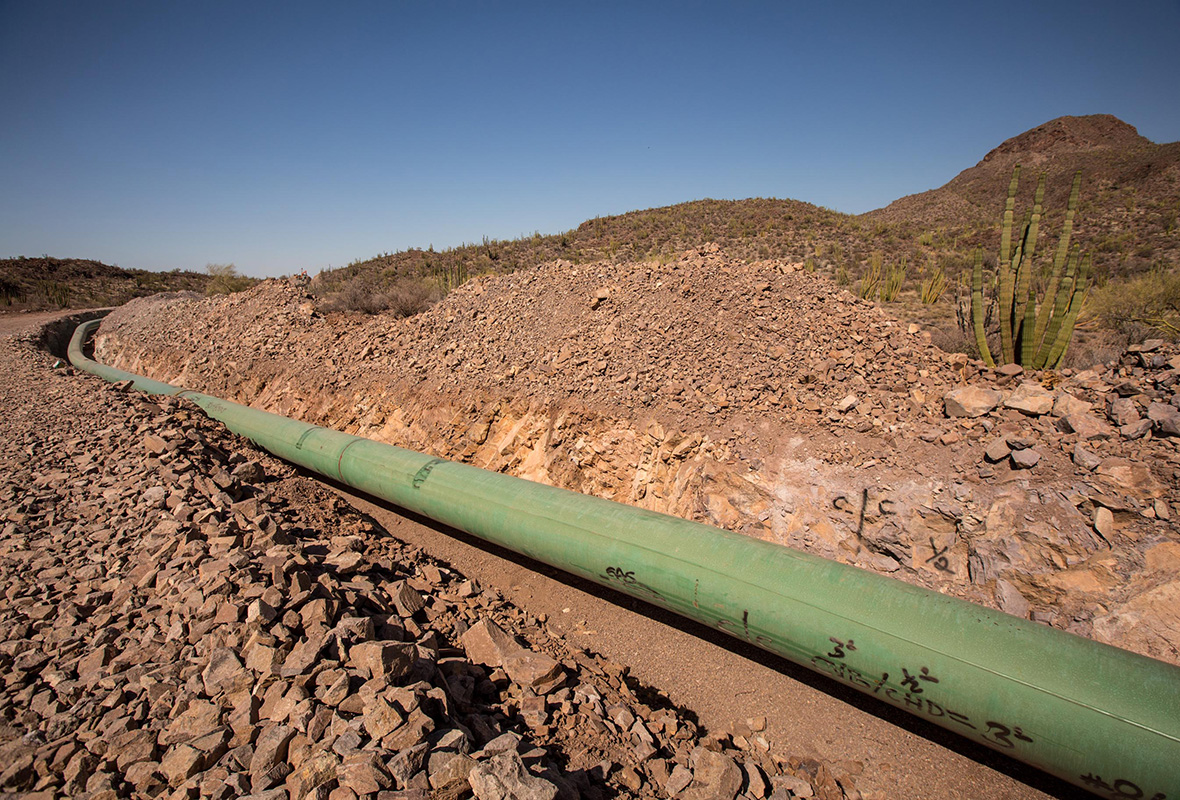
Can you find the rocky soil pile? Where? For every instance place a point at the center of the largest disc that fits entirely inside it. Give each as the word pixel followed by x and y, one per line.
pixel 186 617
pixel 702 341
pixel 754 396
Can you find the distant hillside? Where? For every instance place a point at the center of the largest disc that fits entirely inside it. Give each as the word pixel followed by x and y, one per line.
pixel 35 283
pixel 1130 192
pixel 757 228
pixel 1130 205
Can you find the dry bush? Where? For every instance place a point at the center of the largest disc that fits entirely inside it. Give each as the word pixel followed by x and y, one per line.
pixel 1099 347
pixel 225 279
pixel 950 339
pixel 403 298
pixel 409 297
pixel 1144 306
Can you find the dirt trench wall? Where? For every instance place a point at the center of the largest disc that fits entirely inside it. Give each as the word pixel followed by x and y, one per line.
pixel 895 509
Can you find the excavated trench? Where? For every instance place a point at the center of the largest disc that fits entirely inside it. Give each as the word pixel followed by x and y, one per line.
pixel 897 505
pixel 535 536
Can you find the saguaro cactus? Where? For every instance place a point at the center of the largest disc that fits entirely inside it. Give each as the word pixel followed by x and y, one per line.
pixel 1035 339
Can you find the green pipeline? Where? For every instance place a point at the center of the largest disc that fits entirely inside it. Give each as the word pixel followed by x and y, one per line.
pixel 1096 716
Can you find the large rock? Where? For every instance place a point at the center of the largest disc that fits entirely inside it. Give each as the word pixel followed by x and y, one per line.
pixel 1067 404
pixel 1030 398
pixel 532 669
pixel 449 774
pixel 364 773
pixel 385 660
pixel 486 643
pixel 131 747
pixel 180 763
pixel 269 763
pixel 1010 600
pixel 1165 418
pixel 1025 459
pixel 225 673
pixel 1148 623
pixel 304 655
pixel 1085 425
pixel 1132 478
pixel 971 401
pixel 318 770
pixel 1123 411
pixel 199 719
pixel 381 718
pixel 715 776
pixel 504 777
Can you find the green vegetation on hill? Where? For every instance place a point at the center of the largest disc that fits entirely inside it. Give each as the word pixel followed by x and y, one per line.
pixel 752 229
pixel 48 283
pixel 916 254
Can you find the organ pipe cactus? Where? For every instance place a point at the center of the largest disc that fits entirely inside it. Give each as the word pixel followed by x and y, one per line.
pixel 1035 338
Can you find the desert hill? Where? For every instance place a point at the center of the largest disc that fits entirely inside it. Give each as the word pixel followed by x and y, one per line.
pixel 1130 190
pixel 754 228
pixel 33 283
pixel 1130 204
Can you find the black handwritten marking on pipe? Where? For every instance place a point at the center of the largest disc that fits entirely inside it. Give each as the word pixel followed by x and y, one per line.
pixel 628 580
pixel 742 631
pixel 838 650
pixel 299 442
pixel 1120 787
pixel 1000 734
pixel 422 474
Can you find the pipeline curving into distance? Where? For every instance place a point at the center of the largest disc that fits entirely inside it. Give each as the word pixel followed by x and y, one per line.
pixel 1097 716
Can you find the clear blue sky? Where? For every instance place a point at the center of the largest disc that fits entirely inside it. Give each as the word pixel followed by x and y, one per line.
pixel 286 136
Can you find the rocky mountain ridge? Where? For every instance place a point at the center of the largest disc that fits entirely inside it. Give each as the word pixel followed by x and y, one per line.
pixel 1130 190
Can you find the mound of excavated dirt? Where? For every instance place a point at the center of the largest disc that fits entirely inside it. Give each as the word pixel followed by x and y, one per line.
pixel 750 395
pixel 702 342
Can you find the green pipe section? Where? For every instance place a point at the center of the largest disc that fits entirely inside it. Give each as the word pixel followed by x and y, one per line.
pixel 1095 715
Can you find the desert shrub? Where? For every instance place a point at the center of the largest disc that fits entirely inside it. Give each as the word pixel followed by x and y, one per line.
pixel 894 281
pixel 55 293
pixel 1147 305
pixel 403 298
pixel 10 292
pixel 871 278
pixel 934 285
pixel 1099 347
pixel 952 340
pixel 409 297
pixel 225 279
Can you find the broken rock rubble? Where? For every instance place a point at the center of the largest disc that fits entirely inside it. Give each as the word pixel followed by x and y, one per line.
pixel 184 617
